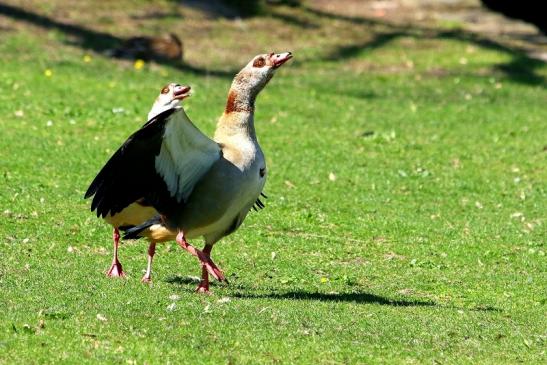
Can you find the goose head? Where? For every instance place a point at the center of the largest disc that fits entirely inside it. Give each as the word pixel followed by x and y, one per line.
pixel 252 79
pixel 261 69
pixel 170 97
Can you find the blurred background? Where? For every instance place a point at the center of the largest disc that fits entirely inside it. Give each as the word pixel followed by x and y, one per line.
pixel 217 36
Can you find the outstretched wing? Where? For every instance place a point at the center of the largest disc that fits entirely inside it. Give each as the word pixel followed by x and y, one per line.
pixel 161 163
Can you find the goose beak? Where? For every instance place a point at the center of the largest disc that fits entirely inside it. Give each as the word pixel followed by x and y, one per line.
pixel 181 92
pixel 279 59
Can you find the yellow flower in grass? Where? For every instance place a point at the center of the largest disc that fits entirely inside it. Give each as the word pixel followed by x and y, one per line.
pixel 87 58
pixel 324 280
pixel 48 72
pixel 138 65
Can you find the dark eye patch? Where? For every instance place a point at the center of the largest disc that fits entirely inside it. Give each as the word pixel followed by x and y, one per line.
pixel 259 62
pixel 165 90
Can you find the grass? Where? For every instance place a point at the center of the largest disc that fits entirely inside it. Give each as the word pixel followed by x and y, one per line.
pixel 405 224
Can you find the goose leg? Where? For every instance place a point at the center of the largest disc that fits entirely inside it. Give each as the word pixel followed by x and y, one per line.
pixel 203 258
pixel 203 286
pixel 116 269
pixel 147 278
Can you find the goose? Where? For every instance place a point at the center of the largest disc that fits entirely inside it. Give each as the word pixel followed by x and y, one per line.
pixel 165 47
pixel 139 211
pixel 201 187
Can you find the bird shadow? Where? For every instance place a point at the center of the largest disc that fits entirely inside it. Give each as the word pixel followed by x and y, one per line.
pixel 242 291
pixel 353 297
pixel 190 280
pixel 182 280
pixel 358 298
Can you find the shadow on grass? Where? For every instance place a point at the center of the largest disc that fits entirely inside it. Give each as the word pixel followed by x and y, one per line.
pixel 361 298
pixel 184 280
pixel 520 68
pixel 214 8
pixel 244 292
pixel 293 20
pixel 248 293
pixel 355 50
pixel 358 297
pixel 97 41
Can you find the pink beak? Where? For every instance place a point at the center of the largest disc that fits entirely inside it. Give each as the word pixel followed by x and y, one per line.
pixel 280 58
pixel 181 92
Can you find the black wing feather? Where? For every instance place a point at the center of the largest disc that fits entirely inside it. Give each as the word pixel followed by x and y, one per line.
pixel 130 174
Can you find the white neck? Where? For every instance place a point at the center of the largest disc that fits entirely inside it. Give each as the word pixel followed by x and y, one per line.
pixel 157 110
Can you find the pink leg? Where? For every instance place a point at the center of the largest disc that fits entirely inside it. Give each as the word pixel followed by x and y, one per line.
pixel 147 278
pixel 116 269
pixel 203 258
pixel 203 286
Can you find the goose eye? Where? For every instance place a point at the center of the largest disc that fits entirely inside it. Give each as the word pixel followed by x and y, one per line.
pixel 165 90
pixel 259 62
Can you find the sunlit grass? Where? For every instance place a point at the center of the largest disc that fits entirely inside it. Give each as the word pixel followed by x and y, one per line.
pixel 405 221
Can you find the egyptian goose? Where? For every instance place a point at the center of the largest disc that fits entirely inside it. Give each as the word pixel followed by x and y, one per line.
pixel 200 187
pixel 166 47
pixel 139 210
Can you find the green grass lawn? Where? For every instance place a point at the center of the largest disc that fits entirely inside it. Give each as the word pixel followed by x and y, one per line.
pixel 405 221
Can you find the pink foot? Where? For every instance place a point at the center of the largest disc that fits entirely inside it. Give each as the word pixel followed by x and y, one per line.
pixel 211 267
pixel 115 270
pixel 203 289
pixel 204 258
pixel 147 278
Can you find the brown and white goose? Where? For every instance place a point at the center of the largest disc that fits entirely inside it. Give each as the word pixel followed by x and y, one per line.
pixel 199 186
pixel 138 211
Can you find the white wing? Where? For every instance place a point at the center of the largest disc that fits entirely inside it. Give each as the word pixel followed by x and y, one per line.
pixel 186 154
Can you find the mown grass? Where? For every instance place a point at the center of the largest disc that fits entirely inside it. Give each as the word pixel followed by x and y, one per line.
pixel 405 224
